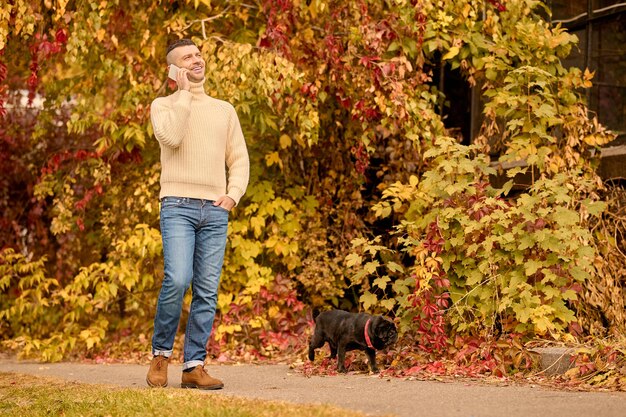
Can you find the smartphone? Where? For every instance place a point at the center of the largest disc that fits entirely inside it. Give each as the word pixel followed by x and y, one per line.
pixel 173 72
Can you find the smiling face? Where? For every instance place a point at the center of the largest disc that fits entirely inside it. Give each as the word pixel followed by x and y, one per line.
pixel 190 58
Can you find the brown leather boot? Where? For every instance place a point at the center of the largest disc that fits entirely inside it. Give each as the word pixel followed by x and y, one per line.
pixel 198 378
pixel 157 374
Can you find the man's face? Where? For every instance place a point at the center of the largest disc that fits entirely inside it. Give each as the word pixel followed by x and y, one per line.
pixel 189 57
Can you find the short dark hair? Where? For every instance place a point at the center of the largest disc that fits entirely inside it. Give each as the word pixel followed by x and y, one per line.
pixel 177 43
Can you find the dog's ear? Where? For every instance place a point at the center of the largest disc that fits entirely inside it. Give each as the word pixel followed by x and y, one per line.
pixel 383 323
pixel 386 331
pixel 389 326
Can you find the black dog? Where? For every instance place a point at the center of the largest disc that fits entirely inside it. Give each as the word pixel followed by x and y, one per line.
pixel 346 331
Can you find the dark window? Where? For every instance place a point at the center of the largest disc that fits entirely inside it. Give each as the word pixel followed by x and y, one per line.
pixel 601 4
pixel 601 29
pixel 608 59
pixel 565 9
pixel 457 106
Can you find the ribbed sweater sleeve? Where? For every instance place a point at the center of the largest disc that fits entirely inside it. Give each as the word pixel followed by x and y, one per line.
pixel 170 118
pixel 237 159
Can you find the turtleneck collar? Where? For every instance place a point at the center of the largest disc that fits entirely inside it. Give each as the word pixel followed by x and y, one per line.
pixel 197 88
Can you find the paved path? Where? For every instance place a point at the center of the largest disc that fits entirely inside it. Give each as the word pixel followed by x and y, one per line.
pixel 369 394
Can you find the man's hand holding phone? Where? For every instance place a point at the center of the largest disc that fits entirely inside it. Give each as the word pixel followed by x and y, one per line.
pixel 180 76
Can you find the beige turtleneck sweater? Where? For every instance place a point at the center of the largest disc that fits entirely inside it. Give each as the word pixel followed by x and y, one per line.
pixel 200 137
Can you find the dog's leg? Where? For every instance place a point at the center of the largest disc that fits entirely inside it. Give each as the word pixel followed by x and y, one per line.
pixel 371 358
pixel 341 356
pixel 333 350
pixel 317 341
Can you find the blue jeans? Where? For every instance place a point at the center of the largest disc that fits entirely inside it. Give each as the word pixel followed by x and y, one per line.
pixel 194 238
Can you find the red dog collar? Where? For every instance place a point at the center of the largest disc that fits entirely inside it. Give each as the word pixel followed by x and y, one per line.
pixel 367 336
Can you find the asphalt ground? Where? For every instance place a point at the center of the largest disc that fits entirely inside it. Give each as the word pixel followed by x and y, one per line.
pixel 366 393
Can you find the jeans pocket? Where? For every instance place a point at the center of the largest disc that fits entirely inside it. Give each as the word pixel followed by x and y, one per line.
pixel 223 209
pixel 219 209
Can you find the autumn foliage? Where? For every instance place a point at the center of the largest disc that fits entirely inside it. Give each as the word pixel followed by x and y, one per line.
pixel 360 196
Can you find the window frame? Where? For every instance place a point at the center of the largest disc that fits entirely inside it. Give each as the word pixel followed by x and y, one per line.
pixel 586 22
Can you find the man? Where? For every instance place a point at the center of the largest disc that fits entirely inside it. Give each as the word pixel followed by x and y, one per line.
pixel 199 137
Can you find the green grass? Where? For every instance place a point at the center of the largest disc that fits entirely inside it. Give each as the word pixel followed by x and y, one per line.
pixel 25 395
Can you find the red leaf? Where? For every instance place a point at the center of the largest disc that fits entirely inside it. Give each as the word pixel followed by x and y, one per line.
pixel 61 36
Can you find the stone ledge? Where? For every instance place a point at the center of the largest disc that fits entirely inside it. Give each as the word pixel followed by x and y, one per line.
pixel 555 360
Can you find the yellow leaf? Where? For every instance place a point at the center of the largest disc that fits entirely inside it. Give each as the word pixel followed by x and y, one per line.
pixel 256 323
pixel 381 282
pixel 370 267
pixel 273 311
pixel 100 34
pixel 454 51
pixel 353 259
pixel 273 158
pixel 594 140
pixel 368 299
pixel 91 342
pixel 285 141
pixel 587 77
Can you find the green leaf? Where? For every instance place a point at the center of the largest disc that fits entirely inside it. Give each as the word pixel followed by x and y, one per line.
pixel 578 273
pixel 394 267
pixel 393 46
pixel 585 252
pixel 532 266
pixel 506 188
pixel 388 304
pixel 474 278
pixel 401 286
pixel 565 217
pixel 522 313
pixel 594 208
pixel 511 173
pixel 551 292
pixel 569 295
pixel 526 242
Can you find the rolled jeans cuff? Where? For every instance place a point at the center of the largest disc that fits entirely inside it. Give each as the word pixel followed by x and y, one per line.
pixel 166 353
pixel 192 364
